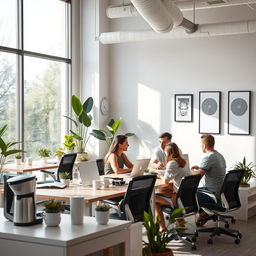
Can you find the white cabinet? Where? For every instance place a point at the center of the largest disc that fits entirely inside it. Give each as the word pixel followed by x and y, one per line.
pixel 248 203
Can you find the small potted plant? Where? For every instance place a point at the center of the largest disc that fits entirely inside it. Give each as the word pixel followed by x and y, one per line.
pixel 65 178
pixel 157 241
pixel 248 172
pixel 52 215
pixel 18 159
pixel 102 213
pixel 59 153
pixel 69 143
pixel 44 152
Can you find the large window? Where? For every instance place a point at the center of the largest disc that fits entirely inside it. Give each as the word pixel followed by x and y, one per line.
pixel 34 71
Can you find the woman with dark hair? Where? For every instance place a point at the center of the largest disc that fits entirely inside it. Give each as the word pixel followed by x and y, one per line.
pixel 174 172
pixel 116 158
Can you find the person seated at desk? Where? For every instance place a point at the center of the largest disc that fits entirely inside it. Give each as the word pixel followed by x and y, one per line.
pixel 157 161
pixel 174 172
pixel 213 167
pixel 116 159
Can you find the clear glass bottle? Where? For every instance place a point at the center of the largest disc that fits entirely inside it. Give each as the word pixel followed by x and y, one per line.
pixel 76 176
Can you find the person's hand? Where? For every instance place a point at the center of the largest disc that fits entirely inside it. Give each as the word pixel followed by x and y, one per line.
pixel 160 166
pixel 195 167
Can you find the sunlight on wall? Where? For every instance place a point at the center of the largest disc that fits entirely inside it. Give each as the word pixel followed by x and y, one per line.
pixel 148 114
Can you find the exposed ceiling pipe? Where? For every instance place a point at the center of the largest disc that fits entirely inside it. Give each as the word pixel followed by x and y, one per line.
pixel 161 15
pixel 205 30
pixel 128 10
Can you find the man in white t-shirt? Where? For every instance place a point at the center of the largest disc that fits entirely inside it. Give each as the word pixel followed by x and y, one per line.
pixel 158 158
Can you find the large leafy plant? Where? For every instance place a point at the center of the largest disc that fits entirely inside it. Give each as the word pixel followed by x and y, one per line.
pixel 82 120
pixel 248 171
pixel 109 135
pixel 6 149
pixel 157 240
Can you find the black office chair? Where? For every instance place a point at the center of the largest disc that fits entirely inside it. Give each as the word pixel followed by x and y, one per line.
pixel 66 165
pixel 186 198
pixel 227 201
pixel 136 200
pixel 100 165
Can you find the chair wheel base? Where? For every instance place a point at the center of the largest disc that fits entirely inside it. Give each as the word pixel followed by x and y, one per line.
pixel 237 241
pixel 210 241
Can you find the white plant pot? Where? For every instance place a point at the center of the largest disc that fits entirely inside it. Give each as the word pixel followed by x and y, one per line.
pixel 65 181
pixel 69 151
pixel 52 219
pixel 17 161
pixel 102 217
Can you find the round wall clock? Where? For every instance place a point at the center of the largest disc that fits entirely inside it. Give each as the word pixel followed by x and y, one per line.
pixel 104 106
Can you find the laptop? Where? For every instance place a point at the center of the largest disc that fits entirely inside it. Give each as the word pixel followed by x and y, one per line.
pixel 139 167
pixel 88 172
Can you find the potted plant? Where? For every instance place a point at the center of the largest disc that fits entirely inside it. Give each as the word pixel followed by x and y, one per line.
pixel 52 215
pixel 59 153
pixel 69 143
pixel 18 159
pixel 248 171
pixel 109 135
pixel 157 241
pixel 6 149
pixel 44 152
pixel 82 120
pixel 65 178
pixel 102 213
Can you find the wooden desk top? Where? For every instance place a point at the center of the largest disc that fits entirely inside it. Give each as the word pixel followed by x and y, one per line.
pixel 87 192
pixel 36 166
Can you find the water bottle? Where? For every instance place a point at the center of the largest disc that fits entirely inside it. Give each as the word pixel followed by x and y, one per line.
pixel 76 176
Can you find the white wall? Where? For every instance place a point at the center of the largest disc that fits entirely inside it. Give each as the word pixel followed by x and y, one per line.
pixel 145 76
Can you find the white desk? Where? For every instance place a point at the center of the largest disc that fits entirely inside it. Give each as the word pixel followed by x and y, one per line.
pixel 65 240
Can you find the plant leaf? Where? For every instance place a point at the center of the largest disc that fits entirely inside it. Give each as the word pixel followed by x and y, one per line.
pixel 129 134
pixel 75 122
pixel 3 146
pixel 3 129
pixel 111 122
pixel 98 134
pixel 88 104
pixel 13 151
pixel 84 119
pixel 76 105
pixel 76 136
pixel 116 125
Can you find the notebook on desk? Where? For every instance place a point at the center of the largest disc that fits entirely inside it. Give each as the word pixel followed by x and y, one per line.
pixel 51 185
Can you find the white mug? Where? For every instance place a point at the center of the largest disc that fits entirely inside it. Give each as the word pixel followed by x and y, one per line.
pixel 96 184
pixel 106 183
pixel 29 160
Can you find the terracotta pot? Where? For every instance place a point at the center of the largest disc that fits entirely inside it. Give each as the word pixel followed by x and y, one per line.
pixel 168 252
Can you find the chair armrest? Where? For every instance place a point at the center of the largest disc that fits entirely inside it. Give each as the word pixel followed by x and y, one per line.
pixel 49 172
pixel 111 202
pixel 210 194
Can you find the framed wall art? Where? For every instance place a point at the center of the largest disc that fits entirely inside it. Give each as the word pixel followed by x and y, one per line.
pixel 209 112
pixel 183 107
pixel 239 111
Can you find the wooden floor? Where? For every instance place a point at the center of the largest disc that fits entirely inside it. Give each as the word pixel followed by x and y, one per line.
pixel 222 245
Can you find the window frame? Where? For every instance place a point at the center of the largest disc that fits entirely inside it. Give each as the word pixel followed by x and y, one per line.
pixel 21 53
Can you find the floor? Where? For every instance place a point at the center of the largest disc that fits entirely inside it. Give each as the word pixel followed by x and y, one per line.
pixel 222 245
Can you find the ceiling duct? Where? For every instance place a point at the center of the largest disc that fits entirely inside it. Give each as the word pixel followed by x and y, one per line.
pixel 205 30
pixel 162 15
pixel 128 10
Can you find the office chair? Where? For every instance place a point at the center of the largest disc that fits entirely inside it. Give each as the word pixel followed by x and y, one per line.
pixel 227 201
pixel 66 165
pixel 186 198
pixel 100 165
pixel 136 200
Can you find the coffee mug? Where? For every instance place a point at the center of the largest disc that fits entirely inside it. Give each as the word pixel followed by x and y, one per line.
pixel 96 184
pixel 106 183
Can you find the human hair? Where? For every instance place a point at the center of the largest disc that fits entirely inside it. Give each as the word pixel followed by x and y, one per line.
pixel 119 139
pixel 166 135
pixel 173 153
pixel 208 140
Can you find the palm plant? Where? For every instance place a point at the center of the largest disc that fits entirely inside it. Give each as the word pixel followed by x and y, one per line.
pixel 6 149
pixel 158 240
pixel 81 120
pixel 248 171
pixel 109 135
